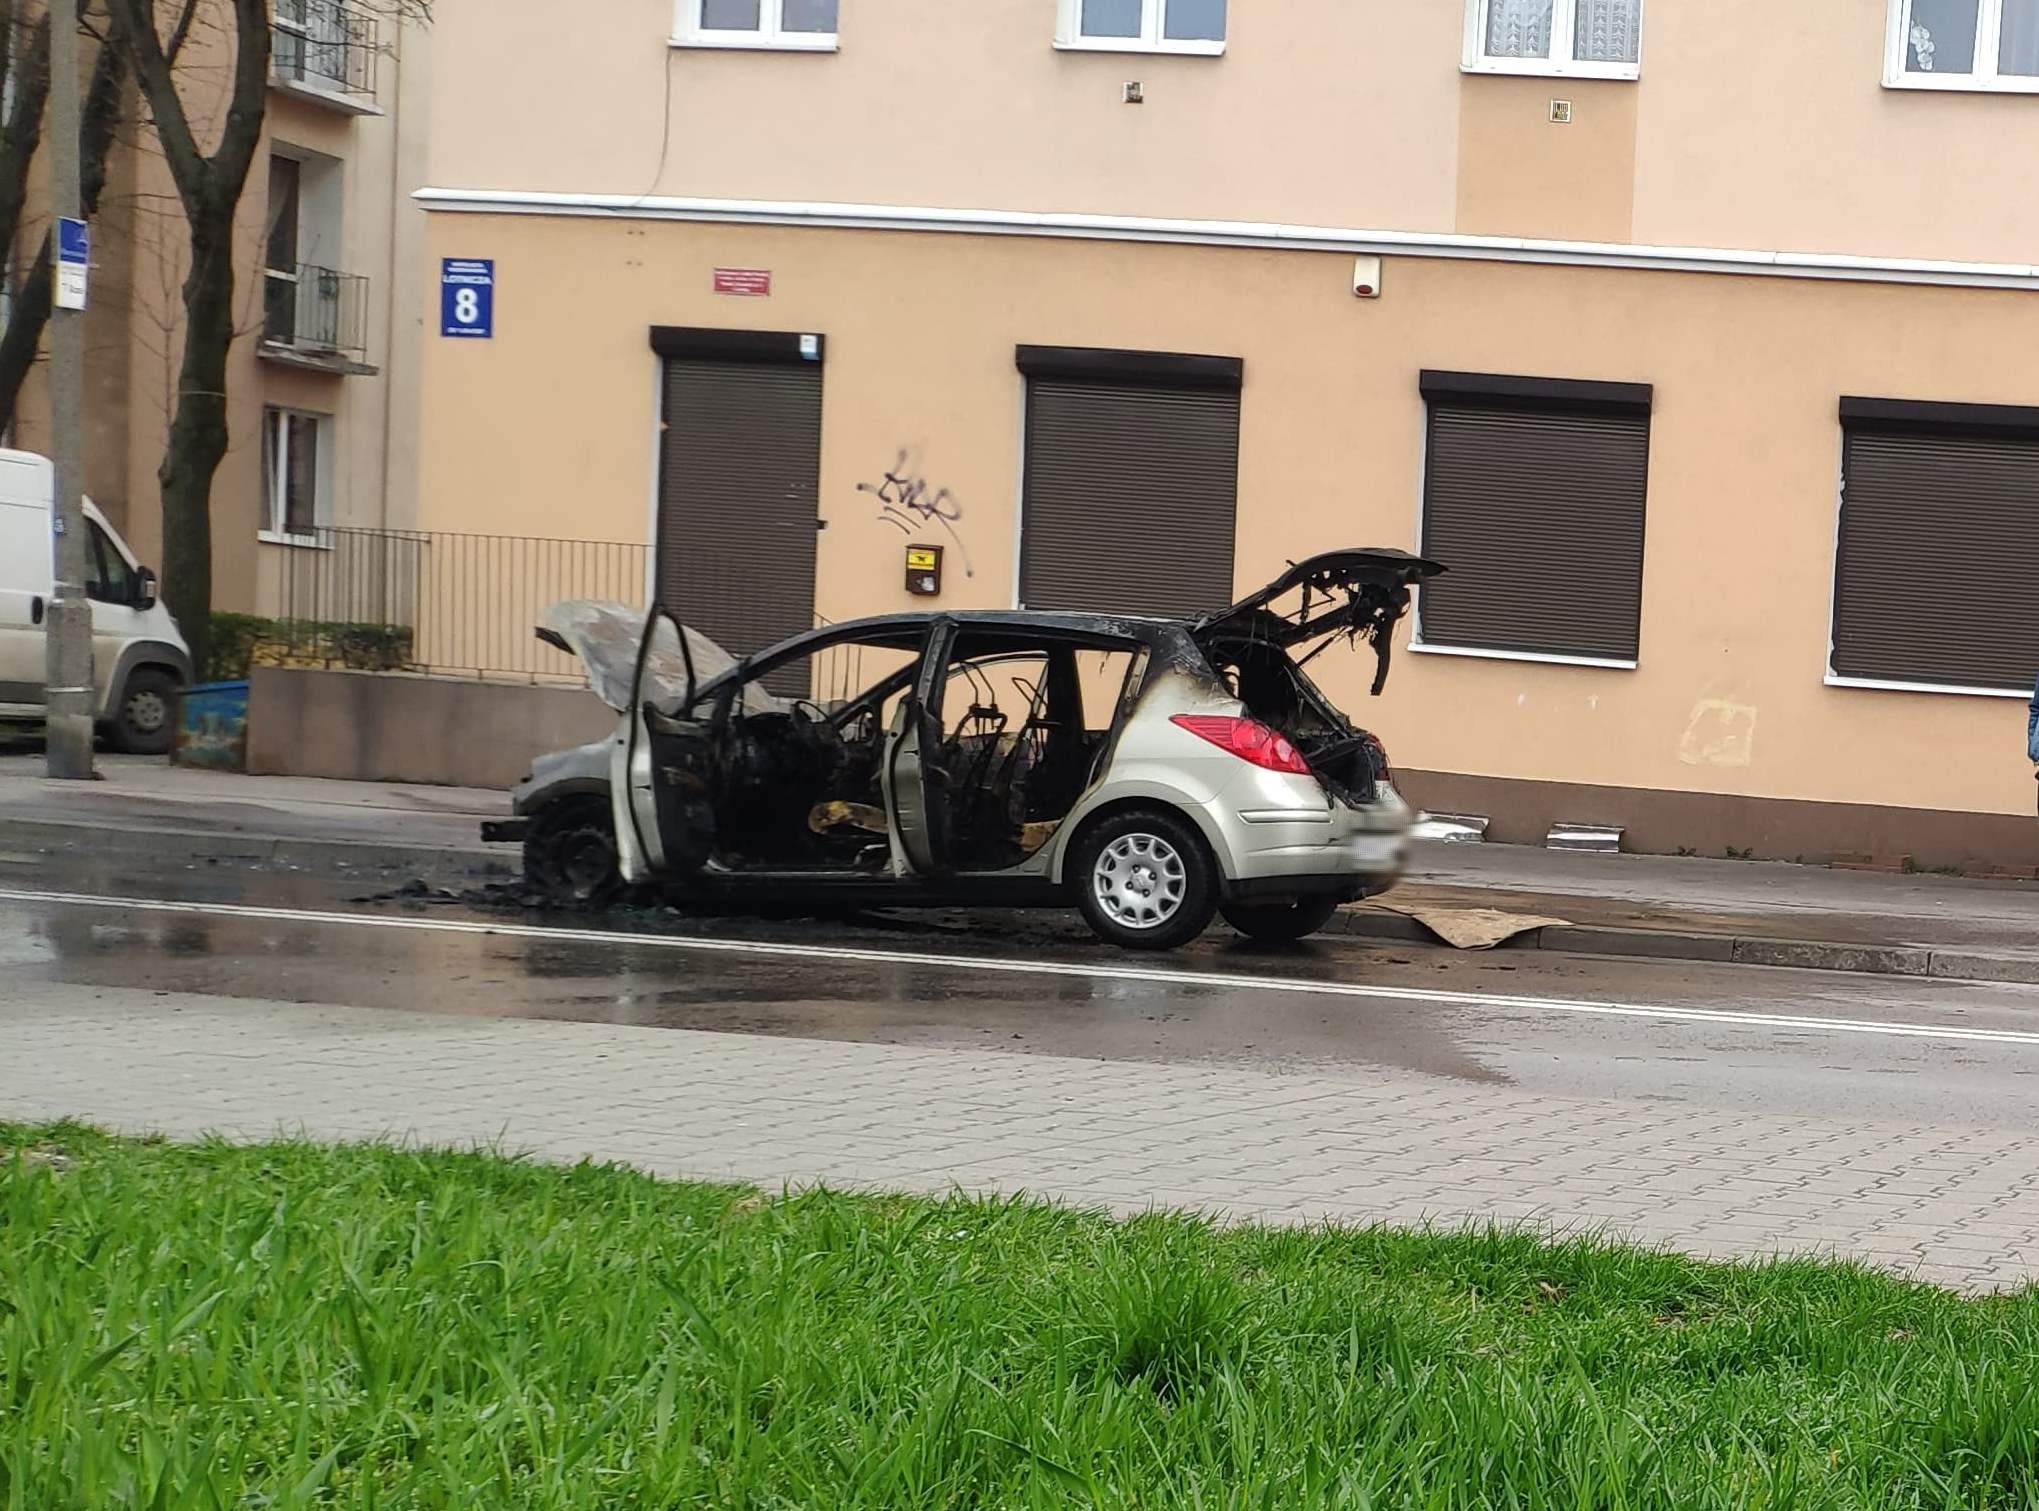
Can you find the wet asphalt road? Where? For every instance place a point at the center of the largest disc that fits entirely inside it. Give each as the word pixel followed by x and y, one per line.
pixel 1719 1036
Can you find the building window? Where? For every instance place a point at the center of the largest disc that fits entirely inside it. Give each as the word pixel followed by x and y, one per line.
pixel 795 25
pixel 1936 576
pixel 1592 39
pixel 296 475
pixel 1533 498
pixel 1963 44
pixel 1185 26
pixel 1129 492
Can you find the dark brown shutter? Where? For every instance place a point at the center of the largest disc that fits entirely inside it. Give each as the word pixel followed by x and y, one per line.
pixel 739 491
pixel 1131 493
pixel 1535 504
pixel 1937 579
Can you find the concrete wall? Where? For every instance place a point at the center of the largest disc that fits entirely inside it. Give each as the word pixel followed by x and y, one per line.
pixel 135 326
pixel 385 727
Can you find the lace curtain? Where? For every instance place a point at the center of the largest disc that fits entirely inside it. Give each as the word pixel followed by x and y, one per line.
pixel 1518 28
pixel 1608 30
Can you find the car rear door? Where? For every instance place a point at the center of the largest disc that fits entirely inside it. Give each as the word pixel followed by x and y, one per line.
pixel 916 794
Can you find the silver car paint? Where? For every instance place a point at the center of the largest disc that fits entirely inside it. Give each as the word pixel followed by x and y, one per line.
pixel 1261 825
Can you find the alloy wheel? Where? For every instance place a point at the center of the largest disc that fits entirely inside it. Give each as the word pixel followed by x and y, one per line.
pixel 1140 881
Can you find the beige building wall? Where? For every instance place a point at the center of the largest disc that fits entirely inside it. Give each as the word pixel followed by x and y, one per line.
pixel 921 333
pixel 135 323
pixel 1759 124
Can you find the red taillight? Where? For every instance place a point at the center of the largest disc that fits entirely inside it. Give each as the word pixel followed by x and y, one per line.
pixel 1248 739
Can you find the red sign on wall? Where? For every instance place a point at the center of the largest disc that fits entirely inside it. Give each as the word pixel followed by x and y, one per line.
pixel 753 282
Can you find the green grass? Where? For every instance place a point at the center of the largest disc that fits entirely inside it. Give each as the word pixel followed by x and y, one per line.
pixel 291 1325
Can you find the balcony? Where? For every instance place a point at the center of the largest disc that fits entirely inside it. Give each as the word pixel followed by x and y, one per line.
pixel 325 52
pixel 317 319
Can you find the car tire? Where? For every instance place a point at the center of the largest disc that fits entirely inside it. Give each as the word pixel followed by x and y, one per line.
pixel 144 721
pixel 1280 922
pixel 570 857
pixel 1144 879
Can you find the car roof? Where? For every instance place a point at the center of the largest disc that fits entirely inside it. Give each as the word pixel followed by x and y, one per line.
pixel 1112 626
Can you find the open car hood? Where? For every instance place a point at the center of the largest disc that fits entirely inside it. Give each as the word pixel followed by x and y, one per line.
pixel 606 636
pixel 1357 594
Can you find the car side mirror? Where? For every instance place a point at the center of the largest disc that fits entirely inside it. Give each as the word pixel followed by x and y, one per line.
pixel 145 587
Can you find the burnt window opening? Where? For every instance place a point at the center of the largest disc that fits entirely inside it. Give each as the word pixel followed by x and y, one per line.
pixel 1027 723
pixel 1130 493
pixel 1936 576
pixel 1535 495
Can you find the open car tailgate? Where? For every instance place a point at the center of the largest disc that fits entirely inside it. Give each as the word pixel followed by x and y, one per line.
pixel 1357 594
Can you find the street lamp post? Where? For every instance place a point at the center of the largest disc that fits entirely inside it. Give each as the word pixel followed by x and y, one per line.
pixel 68 686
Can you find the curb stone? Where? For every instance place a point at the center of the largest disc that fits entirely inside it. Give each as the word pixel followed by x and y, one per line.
pixel 208 845
pixel 1952 964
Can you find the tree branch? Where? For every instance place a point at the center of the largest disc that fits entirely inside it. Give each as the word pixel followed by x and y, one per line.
pixel 134 32
pixel 23 127
pixel 181 31
pixel 251 95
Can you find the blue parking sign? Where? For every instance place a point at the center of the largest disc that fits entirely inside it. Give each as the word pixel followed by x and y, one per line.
pixel 467 297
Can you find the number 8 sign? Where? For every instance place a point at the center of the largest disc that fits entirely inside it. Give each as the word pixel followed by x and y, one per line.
pixel 467 297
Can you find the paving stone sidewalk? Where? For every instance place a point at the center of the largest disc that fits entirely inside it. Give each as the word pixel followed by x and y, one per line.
pixel 1958 1206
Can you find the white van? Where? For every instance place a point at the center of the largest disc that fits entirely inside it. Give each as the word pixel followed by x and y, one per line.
pixel 139 660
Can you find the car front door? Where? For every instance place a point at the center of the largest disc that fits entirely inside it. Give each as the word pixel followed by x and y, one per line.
pixel 662 762
pixel 112 583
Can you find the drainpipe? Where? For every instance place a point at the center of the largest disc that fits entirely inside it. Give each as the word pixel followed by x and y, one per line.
pixel 396 200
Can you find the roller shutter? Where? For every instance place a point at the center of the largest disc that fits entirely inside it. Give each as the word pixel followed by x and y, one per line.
pixel 1131 488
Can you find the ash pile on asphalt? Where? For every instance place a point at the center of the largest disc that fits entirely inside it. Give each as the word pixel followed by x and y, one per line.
pixel 647 910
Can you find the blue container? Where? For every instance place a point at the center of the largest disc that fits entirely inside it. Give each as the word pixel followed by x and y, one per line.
pixel 212 726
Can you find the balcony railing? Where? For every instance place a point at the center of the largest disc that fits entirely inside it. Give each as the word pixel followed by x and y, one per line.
pixel 325 47
pixel 316 312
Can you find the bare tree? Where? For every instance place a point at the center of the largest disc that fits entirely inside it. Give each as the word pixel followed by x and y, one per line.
pixel 209 186
pixel 25 66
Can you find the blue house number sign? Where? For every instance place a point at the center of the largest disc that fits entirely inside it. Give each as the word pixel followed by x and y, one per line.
pixel 467 297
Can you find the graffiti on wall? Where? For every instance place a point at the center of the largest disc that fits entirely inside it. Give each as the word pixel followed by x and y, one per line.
pixel 911 504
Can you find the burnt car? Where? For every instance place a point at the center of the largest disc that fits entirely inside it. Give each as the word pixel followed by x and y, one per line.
pixel 1149 772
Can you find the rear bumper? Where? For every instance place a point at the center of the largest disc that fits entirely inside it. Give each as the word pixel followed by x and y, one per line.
pixel 1342 885
pixel 1295 850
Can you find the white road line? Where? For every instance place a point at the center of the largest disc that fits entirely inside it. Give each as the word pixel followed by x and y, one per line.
pixel 1218 980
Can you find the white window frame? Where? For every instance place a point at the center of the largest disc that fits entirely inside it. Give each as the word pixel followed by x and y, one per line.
pixel 1989 36
pixel 275 487
pixel 768 36
pixel 1069 35
pixel 1563 38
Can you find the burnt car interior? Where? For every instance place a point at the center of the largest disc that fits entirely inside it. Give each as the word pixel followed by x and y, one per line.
pixel 794 784
pixel 1349 596
pixel 1018 723
pixel 1277 692
pixel 1021 742
pixel 797 784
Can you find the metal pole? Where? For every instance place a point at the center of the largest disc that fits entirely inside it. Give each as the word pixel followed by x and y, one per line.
pixel 69 631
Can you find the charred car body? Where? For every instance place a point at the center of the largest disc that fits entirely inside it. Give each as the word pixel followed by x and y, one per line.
pixel 1150 772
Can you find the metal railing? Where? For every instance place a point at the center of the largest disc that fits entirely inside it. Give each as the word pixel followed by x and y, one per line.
pixel 315 310
pixel 325 46
pixel 454 604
